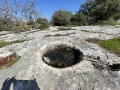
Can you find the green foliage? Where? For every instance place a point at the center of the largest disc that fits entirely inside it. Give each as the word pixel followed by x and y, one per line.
pixel 85 30
pixel 86 7
pixel 61 18
pixel 3 44
pixel 113 45
pixel 17 29
pixel 31 22
pixel 101 10
pixel 44 24
pixel 6 24
pixel 107 22
pixel 17 41
pixel 78 19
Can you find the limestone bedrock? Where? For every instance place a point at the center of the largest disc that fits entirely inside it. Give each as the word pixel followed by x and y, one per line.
pixel 32 73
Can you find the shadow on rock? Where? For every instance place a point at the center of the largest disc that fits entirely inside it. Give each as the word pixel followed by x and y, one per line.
pixel 20 84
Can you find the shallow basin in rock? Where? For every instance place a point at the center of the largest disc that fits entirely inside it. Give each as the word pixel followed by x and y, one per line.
pixel 62 56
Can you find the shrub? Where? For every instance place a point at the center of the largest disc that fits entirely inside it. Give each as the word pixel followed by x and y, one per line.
pixel 101 10
pixel 107 22
pixel 6 24
pixel 31 22
pixel 61 18
pixel 78 19
pixel 43 23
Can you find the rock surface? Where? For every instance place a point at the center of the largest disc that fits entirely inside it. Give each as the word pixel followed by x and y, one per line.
pixel 31 72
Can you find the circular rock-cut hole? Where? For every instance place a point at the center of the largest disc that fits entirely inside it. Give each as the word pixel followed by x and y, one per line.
pixel 62 56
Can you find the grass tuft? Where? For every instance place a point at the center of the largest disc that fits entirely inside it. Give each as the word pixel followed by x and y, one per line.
pixel 113 45
pixel 2 43
pixel 85 30
pixel 65 28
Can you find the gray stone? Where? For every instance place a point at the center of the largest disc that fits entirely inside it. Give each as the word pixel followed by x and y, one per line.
pixel 46 59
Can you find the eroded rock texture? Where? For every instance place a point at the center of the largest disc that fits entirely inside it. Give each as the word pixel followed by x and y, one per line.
pixel 99 69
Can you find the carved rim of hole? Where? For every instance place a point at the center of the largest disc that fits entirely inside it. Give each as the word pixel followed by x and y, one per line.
pixel 61 55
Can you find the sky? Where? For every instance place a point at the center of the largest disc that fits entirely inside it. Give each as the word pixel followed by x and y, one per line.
pixel 48 7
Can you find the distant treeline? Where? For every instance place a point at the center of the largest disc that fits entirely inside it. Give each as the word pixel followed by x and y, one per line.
pixel 90 12
pixel 22 16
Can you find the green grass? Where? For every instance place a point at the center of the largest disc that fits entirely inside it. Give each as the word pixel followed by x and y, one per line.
pixel 112 44
pixel 17 41
pixel 33 31
pixel 2 34
pixel 85 30
pixel 13 60
pixel 65 28
pixel 2 43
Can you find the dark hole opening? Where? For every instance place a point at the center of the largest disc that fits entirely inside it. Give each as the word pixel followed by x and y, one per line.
pixel 62 56
pixel 114 67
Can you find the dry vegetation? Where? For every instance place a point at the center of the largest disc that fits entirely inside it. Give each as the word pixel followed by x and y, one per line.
pixel 93 40
pixel 59 34
pixel 8 61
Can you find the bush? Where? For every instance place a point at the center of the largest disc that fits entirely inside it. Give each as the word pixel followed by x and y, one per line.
pixel 31 22
pixel 43 23
pixel 6 24
pixel 101 10
pixel 107 22
pixel 43 26
pixel 78 19
pixel 61 18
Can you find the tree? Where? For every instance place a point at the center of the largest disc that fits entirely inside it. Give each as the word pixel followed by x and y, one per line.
pixel 61 18
pixel 18 10
pixel 78 19
pixel 6 24
pixel 43 22
pixel 100 10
